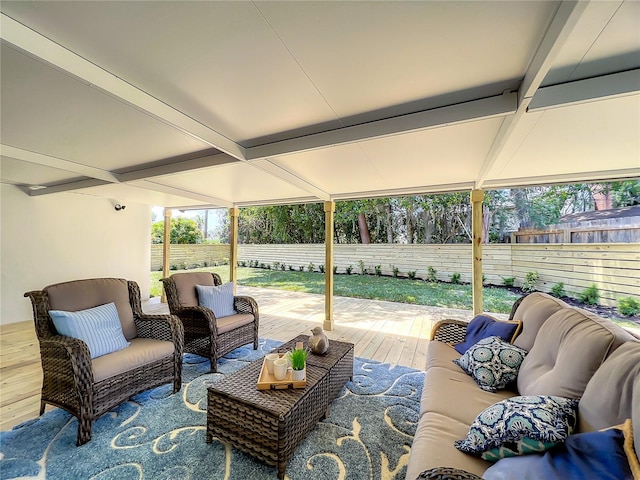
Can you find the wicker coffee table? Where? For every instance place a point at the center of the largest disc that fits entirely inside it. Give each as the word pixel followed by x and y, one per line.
pixel 270 424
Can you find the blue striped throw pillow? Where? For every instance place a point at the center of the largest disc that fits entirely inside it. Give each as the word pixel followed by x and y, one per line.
pixel 218 299
pixel 98 327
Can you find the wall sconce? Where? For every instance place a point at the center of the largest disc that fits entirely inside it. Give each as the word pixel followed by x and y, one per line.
pixel 119 207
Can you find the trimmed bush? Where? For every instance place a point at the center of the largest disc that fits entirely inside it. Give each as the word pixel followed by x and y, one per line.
pixel 628 306
pixel 411 274
pixel 455 278
pixel 558 290
pixel 590 295
pixel 530 280
pixel 508 281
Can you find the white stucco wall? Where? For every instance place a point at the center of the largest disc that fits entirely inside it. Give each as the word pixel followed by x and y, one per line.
pixel 67 236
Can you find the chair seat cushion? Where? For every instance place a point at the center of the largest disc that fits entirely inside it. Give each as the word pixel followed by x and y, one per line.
pixel 98 327
pixel 232 322
pixel 142 351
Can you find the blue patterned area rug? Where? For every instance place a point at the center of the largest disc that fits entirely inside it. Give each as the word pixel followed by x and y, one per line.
pixel 156 435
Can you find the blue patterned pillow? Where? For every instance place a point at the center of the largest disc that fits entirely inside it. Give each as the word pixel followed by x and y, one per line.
pixel 520 425
pixel 492 362
pixel 218 299
pixel 98 327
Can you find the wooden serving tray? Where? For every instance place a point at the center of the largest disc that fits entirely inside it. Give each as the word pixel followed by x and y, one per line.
pixel 267 381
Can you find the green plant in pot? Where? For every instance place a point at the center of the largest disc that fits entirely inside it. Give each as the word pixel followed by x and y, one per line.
pixel 298 358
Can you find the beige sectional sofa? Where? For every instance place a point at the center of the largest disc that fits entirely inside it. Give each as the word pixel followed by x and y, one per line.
pixel 571 353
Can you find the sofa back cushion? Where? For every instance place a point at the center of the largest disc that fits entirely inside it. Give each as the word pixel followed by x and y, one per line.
pixel 186 286
pixel 612 392
pixel 569 348
pixel 533 311
pixel 635 415
pixel 83 294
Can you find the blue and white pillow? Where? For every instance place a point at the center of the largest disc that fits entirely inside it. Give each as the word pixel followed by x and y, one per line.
pixel 492 362
pixel 218 299
pixel 520 425
pixel 98 327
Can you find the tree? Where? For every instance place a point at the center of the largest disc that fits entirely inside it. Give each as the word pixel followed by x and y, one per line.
pixel 183 230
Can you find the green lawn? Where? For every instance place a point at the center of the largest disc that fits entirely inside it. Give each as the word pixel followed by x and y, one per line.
pixel 400 290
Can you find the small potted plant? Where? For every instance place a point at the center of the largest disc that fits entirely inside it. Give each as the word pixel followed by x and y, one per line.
pixel 298 358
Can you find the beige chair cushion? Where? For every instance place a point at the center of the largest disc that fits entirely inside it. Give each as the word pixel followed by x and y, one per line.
pixel 569 348
pixel 232 322
pixel 635 417
pixel 456 395
pixel 609 396
pixel 141 352
pixel 533 311
pixel 433 447
pixel 186 286
pixel 83 294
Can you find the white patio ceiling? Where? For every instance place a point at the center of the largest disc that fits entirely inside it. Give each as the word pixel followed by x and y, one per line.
pixel 226 104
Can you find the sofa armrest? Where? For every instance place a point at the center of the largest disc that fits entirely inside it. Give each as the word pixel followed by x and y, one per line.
pixel 449 331
pixel 161 327
pixel 244 304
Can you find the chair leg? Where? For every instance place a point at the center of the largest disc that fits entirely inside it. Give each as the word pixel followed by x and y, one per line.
pixel 42 405
pixel 214 365
pixel 255 343
pixel 84 430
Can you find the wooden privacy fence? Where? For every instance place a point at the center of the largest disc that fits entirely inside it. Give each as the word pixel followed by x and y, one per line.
pixel 613 268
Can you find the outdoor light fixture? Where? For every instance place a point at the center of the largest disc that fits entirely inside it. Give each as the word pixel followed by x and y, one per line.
pixel 119 207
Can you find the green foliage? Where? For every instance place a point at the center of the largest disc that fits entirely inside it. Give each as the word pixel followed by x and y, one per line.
pixel 455 278
pixel 558 290
pixel 301 268
pixel 183 230
pixel 348 269
pixel 590 295
pixel 628 306
pixel 298 357
pixel 363 269
pixel 396 271
pixel 378 270
pixel 321 268
pixel 411 274
pixel 530 280
pixel 335 269
pixel 291 269
pixel 283 267
pixel 432 275
pixel 276 265
pixel 310 267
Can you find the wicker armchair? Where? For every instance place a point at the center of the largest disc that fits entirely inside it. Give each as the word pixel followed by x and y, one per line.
pixel 86 387
pixel 204 334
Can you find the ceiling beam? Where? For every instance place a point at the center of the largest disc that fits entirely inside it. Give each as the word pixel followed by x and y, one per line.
pixel 41 47
pixel 588 90
pixel 565 178
pixel 563 23
pixel 160 187
pixel 481 109
pixel 64 187
pixel 177 167
pixel 284 174
pixel 54 162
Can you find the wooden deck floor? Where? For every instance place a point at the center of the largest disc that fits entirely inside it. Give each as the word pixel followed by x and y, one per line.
pixel 390 332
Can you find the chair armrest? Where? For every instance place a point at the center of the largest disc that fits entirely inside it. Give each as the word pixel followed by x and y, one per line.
pixel 244 304
pixel 62 356
pixel 449 331
pixel 161 327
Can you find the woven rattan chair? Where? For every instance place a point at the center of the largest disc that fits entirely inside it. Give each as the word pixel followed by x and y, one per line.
pixel 86 387
pixel 204 334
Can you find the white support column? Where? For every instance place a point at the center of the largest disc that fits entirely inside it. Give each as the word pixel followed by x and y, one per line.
pixel 329 210
pixel 477 196
pixel 234 213
pixel 166 249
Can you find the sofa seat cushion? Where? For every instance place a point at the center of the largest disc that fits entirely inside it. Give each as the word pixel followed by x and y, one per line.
pixel 232 322
pixel 569 348
pixel 433 446
pixel 441 354
pixel 533 311
pixel 617 377
pixel 142 351
pixel 454 394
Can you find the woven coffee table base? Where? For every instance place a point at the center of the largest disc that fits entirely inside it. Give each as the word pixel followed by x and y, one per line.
pixel 270 424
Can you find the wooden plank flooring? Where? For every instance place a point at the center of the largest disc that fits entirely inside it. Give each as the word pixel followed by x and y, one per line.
pixel 390 332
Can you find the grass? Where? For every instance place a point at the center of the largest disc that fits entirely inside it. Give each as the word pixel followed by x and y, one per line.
pixel 371 287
